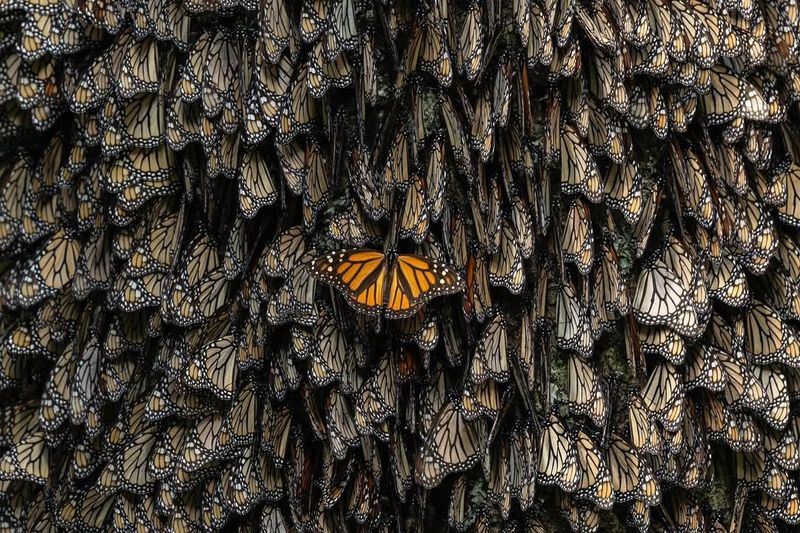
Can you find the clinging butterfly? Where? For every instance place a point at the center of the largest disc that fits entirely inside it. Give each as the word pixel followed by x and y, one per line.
pixel 375 282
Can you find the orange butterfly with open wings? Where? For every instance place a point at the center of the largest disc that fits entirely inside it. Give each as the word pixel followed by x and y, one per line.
pixel 376 283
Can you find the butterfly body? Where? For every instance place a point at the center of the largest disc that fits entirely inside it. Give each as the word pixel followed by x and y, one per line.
pixel 396 285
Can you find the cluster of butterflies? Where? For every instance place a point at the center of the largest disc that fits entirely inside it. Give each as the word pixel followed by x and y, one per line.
pixel 327 265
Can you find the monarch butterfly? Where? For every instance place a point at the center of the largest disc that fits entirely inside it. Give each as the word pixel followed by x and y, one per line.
pixel 255 126
pixel 788 212
pixel 341 429
pixel 280 256
pixel 164 455
pixel 776 411
pixel 284 376
pixel 782 293
pixel 27 460
pixel 740 431
pixel 457 510
pixel 756 232
pixel 610 292
pixel 498 476
pixel 645 434
pixel 313 19
pixel 256 185
pixel 580 516
pixel 343 31
pixel 276 29
pixel 623 189
pixel 728 283
pixel 506 267
pixel 379 394
pixel 566 62
pixel 768 339
pixel 742 387
pixel 373 287
pixel 540 47
pixel 784 508
pixel 595 479
pixel 757 147
pixel 631 477
pixel 323 73
pixel 578 168
pixel 703 369
pixel 573 330
pixel 648 109
pixel 781 446
pixel 661 299
pixel 480 399
pixel 183 123
pixel 299 110
pixel 681 106
pixel 83 385
pixel 772 191
pixel 421 329
pixel 436 178
pixel 272 519
pixel 577 242
pixel 142 124
pixel 93 87
pixel 94 268
pixel 663 395
pixel 491 358
pixel 128 470
pixel 414 217
pixel 586 394
pixel 316 189
pixel 606 82
pixel 428 49
pixel 477 297
pixel 214 367
pixel 605 134
pixel 558 459
pixel 451 445
pixel 522 225
pixel 678 257
pixel 328 359
pixel 693 183
pixel 157 251
pixel 732 96
pixel 488 202
pixel 459 145
pixel 140 69
pixel 353 228
pixel 482 131
pixel 470 43
pixel 752 470
pixel 397 173
pixel 295 299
